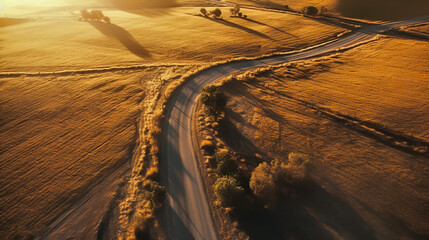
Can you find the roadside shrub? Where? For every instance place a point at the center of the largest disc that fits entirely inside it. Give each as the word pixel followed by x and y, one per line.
pixel 244 16
pixel 157 195
pixel 310 11
pixel 216 13
pixel 228 166
pixel 214 100
pixel 208 147
pixel 296 169
pixel 221 156
pixel 262 183
pixel 203 11
pixel 240 14
pixel 268 180
pixel 141 226
pixel 228 192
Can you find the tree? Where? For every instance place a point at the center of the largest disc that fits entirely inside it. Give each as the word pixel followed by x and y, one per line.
pixel 214 100
pixel 235 10
pixel 216 13
pixel 97 15
pixel 85 14
pixel 228 192
pixel 262 183
pixel 268 180
pixel 203 11
pixel 228 166
pixel 221 156
pixel 157 195
pixel 106 19
pixel 310 10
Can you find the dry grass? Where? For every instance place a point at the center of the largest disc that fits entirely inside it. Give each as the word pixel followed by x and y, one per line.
pixel 384 190
pixel 375 82
pixel 61 133
pixel 149 37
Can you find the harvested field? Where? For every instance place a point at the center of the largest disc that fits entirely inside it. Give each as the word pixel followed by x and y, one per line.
pixel 59 134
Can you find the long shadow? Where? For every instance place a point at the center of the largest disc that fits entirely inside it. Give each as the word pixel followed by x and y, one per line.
pixel 5 22
pixel 311 214
pixel 173 217
pixel 400 226
pixel 268 4
pixel 234 25
pixel 239 143
pixel 264 24
pixel 115 31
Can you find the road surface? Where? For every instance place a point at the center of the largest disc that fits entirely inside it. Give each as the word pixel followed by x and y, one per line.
pixel 187 213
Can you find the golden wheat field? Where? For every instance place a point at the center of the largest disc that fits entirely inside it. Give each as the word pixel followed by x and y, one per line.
pixel 166 36
pixel 59 134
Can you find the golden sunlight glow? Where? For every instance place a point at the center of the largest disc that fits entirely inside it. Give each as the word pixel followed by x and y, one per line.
pixel 30 8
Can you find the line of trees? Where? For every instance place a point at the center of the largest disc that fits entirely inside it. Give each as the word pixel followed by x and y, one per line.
pixel 216 13
pixel 236 12
pixel 312 11
pixel 94 15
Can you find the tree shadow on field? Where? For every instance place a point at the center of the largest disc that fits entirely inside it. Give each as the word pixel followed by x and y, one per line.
pixel 264 24
pixel 234 25
pixel 309 213
pixel 5 22
pixel 114 31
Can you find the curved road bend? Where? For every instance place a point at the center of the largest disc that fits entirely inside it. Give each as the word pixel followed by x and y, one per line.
pixel 187 214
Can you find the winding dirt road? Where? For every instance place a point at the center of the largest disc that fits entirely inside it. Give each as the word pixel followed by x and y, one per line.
pixel 187 214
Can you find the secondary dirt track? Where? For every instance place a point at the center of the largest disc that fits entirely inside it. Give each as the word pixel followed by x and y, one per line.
pixel 186 209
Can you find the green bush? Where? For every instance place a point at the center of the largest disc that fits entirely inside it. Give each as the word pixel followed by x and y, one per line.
pixel 268 180
pixel 156 195
pixel 227 167
pixel 214 100
pixel 221 156
pixel 228 192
